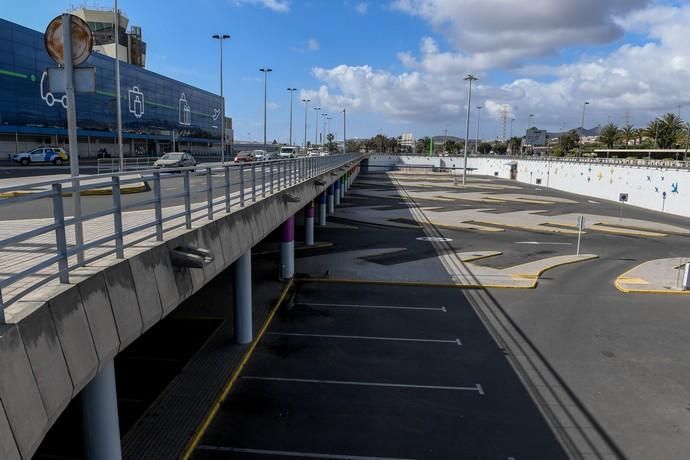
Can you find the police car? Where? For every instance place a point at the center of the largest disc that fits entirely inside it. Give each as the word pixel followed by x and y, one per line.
pixel 54 155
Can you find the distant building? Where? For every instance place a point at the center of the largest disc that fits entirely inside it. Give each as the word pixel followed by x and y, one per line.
pixel 131 48
pixel 407 140
pixel 535 137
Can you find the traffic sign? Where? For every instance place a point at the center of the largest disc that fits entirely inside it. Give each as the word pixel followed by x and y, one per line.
pixel 82 40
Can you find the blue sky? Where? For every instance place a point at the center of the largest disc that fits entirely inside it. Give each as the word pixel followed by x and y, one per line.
pixel 346 53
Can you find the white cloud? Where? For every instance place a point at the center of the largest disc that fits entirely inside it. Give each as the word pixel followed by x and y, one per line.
pixel 313 44
pixel 646 78
pixel 362 8
pixel 280 6
pixel 503 33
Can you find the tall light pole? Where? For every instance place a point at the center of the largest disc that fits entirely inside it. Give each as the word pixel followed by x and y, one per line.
pixel 265 71
pixel 582 127
pixel 470 78
pixel 324 115
pixel 120 153
pixel 328 130
pixel 476 140
pixel 306 104
pixel 220 38
pixel 316 126
pixel 344 131
pixel 511 126
pixel 292 90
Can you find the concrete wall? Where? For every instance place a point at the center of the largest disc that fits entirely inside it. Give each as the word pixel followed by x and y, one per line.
pixel 57 338
pixel 645 185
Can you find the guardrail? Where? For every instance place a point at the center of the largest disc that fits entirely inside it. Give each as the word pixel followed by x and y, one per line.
pixel 218 187
pixel 106 165
pixel 641 162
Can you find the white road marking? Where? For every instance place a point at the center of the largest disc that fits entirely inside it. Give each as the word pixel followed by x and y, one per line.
pixel 477 387
pixel 592 201
pixel 363 337
pixel 389 307
pixel 289 453
pixel 541 242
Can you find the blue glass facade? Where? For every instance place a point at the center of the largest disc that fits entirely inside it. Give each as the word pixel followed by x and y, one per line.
pixel 152 105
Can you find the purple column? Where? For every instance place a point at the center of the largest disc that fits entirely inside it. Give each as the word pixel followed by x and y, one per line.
pixel 309 224
pixel 331 203
pixel 337 192
pixel 287 248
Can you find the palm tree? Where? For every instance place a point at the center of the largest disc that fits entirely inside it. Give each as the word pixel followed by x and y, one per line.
pixel 628 133
pixel 514 144
pixel 667 130
pixel 609 135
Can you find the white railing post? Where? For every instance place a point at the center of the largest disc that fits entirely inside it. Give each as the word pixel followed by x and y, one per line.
pixel 158 205
pixel 117 218
pixel 187 201
pixel 60 236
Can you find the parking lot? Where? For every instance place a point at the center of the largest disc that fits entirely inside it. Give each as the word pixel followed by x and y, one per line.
pixel 373 371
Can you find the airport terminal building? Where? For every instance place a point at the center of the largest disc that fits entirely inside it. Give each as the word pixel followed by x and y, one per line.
pixel 156 110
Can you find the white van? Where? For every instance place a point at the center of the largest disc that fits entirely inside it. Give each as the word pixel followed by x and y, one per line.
pixel 288 151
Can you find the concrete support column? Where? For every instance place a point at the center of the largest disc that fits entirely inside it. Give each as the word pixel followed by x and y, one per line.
pixel 99 413
pixel 287 248
pixel 243 298
pixel 342 188
pixel 336 185
pixel 331 203
pixel 309 224
pixel 322 209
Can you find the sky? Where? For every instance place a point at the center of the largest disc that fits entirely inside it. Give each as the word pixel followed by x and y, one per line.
pixel 398 66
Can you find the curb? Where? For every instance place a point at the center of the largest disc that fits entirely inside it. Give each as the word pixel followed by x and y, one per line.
pixel 95 192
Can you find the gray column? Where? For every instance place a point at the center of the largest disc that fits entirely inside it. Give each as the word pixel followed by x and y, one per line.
pixel 287 248
pixel 243 298
pixel 322 209
pixel 338 192
pixel 101 426
pixel 309 224
pixel 331 203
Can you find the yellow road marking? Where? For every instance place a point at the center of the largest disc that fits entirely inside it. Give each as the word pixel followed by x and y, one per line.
pixel 189 449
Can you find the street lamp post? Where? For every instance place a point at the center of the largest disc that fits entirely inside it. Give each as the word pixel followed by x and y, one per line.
pixel 328 131
pixel 470 78
pixel 265 71
pixel 529 125
pixel 344 131
pixel 323 130
pixel 306 104
pixel 476 140
pixel 292 90
pixel 220 38
pixel 582 127
pixel 120 153
pixel 316 126
pixel 511 126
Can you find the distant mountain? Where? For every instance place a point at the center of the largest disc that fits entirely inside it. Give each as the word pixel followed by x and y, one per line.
pixel 585 132
pixel 442 139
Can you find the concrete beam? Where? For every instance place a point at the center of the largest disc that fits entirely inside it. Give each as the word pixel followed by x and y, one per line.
pixel 94 297
pixel 8 448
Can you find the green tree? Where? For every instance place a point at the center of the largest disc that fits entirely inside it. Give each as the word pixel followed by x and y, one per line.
pixel 628 133
pixel 484 148
pixel 514 144
pixel 569 141
pixel 451 147
pixel 667 131
pixel 609 135
pixel 500 148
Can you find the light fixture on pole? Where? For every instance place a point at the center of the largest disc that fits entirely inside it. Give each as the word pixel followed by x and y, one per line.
pixel 470 78
pixel 306 104
pixel 476 140
pixel 220 38
pixel 582 127
pixel 292 90
pixel 328 131
pixel 316 127
pixel 265 71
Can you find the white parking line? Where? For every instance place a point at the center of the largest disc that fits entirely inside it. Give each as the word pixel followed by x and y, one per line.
pixel 543 242
pixel 385 307
pixel 478 388
pixel 364 337
pixel 289 453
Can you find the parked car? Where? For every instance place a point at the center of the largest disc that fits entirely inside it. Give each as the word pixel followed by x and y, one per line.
pixel 273 155
pixel 245 156
pixel 260 155
pixel 288 151
pixel 314 153
pixel 174 160
pixel 54 155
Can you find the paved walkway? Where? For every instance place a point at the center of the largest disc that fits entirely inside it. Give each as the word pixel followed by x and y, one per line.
pixel 28 185
pixel 660 276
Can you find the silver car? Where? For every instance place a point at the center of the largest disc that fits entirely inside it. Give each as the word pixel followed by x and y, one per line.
pixel 175 160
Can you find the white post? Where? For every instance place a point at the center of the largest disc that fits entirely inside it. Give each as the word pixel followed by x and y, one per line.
pixel 100 419
pixel 580 224
pixel 118 105
pixel 686 277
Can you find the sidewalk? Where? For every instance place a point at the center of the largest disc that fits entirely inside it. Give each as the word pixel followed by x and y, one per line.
pixel 28 188
pixel 660 276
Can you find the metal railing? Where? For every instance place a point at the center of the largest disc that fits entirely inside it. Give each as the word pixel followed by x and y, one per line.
pixel 638 162
pixel 126 220
pixel 110 165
